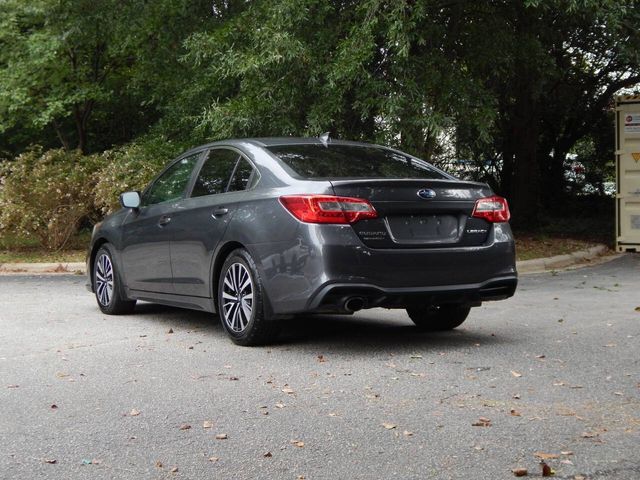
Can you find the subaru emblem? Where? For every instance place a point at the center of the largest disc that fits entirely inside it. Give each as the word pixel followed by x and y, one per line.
pixel 426 193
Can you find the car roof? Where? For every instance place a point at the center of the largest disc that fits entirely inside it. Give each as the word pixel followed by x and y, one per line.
pixel 273 141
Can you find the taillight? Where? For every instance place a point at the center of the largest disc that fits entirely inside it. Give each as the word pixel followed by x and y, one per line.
pixel 328 208
pixel 493 209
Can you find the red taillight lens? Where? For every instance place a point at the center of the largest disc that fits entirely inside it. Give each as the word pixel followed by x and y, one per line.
pixel 328 208
pixel 493 209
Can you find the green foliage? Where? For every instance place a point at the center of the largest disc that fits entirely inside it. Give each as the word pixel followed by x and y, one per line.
pixel 47 195
pixel 131 167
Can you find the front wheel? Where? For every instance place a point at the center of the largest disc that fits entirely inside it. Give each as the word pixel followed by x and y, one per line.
pixel 240 301
pixel 439 317
pixel 106 284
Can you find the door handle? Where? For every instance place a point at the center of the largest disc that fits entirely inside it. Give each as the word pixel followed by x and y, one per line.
pixel 218 212
pixel 164 220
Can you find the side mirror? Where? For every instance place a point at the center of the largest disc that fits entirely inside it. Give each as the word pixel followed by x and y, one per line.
pixel 130 200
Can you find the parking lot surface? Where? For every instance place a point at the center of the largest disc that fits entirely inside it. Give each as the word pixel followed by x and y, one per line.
pixel 552 374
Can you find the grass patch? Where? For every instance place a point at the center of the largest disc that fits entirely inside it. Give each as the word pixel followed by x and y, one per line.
pixel 27 250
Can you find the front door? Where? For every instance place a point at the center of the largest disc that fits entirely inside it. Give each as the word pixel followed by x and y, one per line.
pixel 146 233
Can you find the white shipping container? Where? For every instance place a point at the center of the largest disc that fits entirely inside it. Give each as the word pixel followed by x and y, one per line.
pixel 628 173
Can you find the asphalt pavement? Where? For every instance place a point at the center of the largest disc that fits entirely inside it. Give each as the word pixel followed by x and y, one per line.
pixel 553 372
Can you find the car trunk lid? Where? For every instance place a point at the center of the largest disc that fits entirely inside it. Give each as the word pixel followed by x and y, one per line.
pixel 418 213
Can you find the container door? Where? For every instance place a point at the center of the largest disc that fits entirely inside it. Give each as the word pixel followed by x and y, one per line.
pixel 628 173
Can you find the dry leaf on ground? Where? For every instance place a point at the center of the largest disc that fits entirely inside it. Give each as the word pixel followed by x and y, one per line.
pixel 482 422
pixel 185 426
pixel 520 472
pixel 207 424
pixel 297 443
pixel 134 412
pixel 547 471
pixel 546 456
pixel 221 436
pixel 50 461
pixel 516 374
pixel 389 426
pixel 288 389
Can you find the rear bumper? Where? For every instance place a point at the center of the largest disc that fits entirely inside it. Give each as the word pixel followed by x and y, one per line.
pixel 333 298
pixel 325 264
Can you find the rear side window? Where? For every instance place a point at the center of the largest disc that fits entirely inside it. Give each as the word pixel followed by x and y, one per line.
pixel 171 185
pixel 223 171
pixel 352 161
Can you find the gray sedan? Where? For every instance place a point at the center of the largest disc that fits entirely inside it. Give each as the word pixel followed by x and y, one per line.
pixel 258 230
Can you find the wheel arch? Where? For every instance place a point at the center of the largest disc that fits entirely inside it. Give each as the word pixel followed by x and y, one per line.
pixel 219 259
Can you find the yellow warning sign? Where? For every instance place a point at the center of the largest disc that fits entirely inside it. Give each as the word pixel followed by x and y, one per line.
pixel 636 156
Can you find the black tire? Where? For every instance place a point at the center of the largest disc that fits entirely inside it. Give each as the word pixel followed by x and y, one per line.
pixel 107 284
pixel 243 317
pixel 439 317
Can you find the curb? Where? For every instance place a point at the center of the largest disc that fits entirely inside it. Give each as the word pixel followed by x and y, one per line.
pixel 78 268
pixel 558 262
pixel 537 265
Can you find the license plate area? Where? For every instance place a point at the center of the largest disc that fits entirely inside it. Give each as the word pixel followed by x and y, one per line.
pixel 424 228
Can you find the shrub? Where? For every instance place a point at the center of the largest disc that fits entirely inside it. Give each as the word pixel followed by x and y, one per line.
pixel 131 167
pixel 47 194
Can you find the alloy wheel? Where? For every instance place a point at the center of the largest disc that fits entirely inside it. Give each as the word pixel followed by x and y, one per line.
pixel 237 297
pixel 104 280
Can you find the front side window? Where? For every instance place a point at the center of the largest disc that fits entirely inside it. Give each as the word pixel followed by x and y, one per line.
pixel 171 185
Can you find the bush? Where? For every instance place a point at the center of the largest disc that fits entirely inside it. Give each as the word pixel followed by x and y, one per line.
pixel 131 167
pixel 47 195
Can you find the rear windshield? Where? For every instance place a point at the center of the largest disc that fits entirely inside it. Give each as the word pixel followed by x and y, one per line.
pixel 351 161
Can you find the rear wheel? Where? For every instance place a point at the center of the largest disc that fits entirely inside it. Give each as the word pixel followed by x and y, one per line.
pixel 439 317
pixel 106 284
pixel 240 301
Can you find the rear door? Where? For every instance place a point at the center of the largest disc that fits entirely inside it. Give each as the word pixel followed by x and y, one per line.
pixel 147 232
pixel 430 213
pixel 201 220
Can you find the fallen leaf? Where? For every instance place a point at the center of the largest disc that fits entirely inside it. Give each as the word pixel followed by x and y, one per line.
pixel 389 426
pixel 170 330
pixel 637 309
pixel 416 355
pixel 520 472
pixel 134 412
pixel 618 393
pixel 298 443
pixel 288 390
pixel 174 470
pixel 267 455
pixel 546 456
pixel 566 452
pixel 566 462
pixel 517 396
pixel 207 424
pixel 514 412
pixel 589 435
pixel 221 436
pixel 185 426
pixel 13 386
pixel 50 461
pixel 516 374
pixel 234 378
pixel 213 459
pixel 333 414
pixel 482 422
pixel 280 405
pixel 541 356
pixel 159 464
pixel 54 407
pixel 407 433
pixel 547 471
pixel 321 359
pixel 579 477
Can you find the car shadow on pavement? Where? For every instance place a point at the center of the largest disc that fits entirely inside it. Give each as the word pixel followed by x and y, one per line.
pixel 362 332
pixel 365 333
